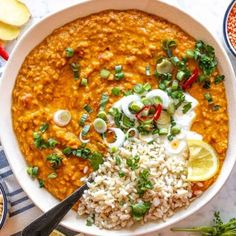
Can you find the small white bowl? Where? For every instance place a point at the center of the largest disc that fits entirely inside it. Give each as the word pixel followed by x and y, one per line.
pixel 225 28
pixel 5 213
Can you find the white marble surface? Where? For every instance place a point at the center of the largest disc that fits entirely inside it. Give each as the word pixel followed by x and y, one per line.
pixel 209 12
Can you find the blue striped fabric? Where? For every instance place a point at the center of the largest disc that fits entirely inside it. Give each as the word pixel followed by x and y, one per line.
pixel 18 199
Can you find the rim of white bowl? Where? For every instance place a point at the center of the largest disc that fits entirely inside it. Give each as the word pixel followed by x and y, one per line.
pixel 211 192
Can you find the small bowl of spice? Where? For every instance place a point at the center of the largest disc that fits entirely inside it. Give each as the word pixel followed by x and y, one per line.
pixel 229 27
pixel 4 204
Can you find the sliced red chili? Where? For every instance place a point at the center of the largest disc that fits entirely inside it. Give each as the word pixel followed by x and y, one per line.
pixel 4 53
pixel 187 84
pixel 158 112
pixel 146 108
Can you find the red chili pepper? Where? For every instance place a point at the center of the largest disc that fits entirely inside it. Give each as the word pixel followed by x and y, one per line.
pixel 147 108
pixel 187 84
pixel 158 112
pixel 4 53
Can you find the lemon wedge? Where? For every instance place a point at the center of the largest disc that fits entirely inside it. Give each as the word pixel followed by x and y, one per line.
pixel 203 162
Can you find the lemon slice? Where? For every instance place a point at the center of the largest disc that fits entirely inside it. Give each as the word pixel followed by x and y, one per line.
pixel 203 161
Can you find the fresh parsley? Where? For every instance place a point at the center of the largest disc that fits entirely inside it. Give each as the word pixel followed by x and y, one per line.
pixel 143 182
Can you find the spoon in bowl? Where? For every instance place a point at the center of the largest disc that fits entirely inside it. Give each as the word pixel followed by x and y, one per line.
pixel 46 223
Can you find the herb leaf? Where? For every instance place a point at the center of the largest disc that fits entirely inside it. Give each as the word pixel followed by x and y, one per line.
pixel 143 182
pixel 138 210
pixel 219 79
pixel 55 160
pixel 95 160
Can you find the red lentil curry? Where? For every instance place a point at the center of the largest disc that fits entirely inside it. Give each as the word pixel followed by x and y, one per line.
pixel 106 53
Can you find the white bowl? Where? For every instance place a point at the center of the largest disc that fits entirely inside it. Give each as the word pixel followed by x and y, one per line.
pixel 37 33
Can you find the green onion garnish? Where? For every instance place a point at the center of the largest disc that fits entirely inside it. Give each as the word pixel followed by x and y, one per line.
pixel 187 107
pixel 103 102
pixel 180 75
pixel 52 175
pixel 85 130
pixel 119 75
pixel 76 69
pixel 118 68
pixel 147 87
pixel 175 85
pixel 174 60
pixel 105 73
pixel 219 79
pixel 43 127
pixel 189 53
pixel 41 183
pixel 32 171
pixel 83 119
pixel 167 46
pixel 52 143
pixel 163 131
pixel 216 107
pixel 208 97
pixel 147 71
pixel 88 108
pixel 175 130
pixel 115 91
pixel 121 173
pixel 138 88
pixel 84 82
pixel 69 52
pixel 102 114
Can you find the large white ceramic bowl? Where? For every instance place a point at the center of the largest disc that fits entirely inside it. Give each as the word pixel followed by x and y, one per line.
pixel 37 33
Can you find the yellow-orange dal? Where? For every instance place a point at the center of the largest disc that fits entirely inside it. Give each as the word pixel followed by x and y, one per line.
pixel 45 84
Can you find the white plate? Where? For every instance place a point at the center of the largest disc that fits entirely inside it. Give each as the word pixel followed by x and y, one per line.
pixel 37 33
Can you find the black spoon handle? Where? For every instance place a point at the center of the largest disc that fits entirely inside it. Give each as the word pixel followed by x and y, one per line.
pixel 45 224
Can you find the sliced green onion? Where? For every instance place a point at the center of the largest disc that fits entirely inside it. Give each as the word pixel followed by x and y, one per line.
pixel 41 183
pixel 119 75
pixel 216 107
pixel 69 52
pixel 115 91
pixel 170 137
pixel 175 85
pixel 171 108
pixel 52 143
pixel 175 130
pixel 219 79
pixel 138 88
pixel 67 151
pixel 147 87
pixel 84 82
pixel 76 69
pixel 127 122
pixel 83 119
pixel 118 68
pixel 187 107
pixel 162 86
pixel 147 71
pixel 146 101
pixel 43 127
pixel 163 131
pixel 100 125
pixel 128 92
pixel 103 102
pixel 136 106
pixel 156 100
pixel 85 130
pixel 174 60
pixel 118 160
pixel 105 73
pixel 201 78
pixel 208 97
pixel 189 53
pixel 180 75
pixel 102 114
pixel 88 108
pixel 52 175
pixel 32 171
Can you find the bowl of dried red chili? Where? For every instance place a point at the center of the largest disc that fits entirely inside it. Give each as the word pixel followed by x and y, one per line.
pixel 229 27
